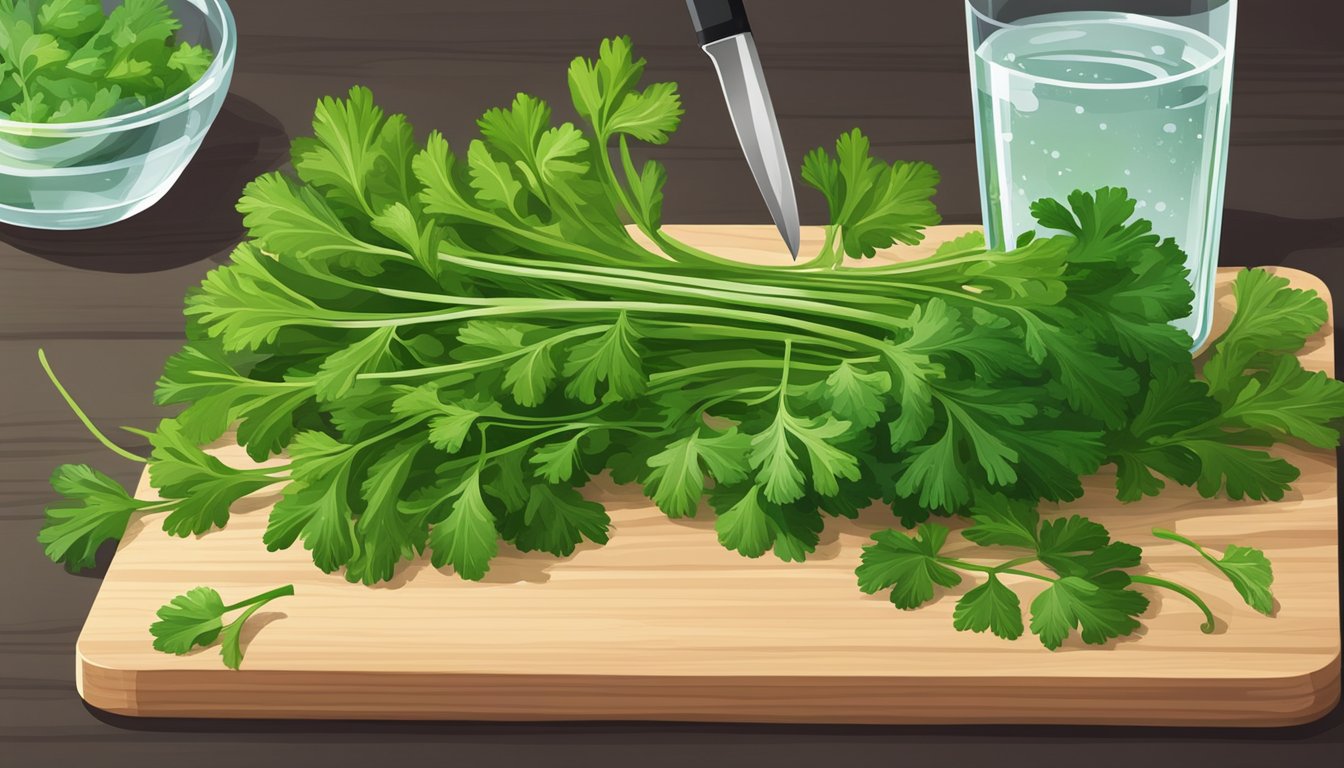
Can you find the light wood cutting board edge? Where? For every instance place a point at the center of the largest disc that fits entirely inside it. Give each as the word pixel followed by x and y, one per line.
pixel 166 689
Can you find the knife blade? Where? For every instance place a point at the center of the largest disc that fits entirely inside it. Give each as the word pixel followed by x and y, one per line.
pixel 725 35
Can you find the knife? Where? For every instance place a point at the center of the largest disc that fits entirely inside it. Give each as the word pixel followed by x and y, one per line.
pixel 726 36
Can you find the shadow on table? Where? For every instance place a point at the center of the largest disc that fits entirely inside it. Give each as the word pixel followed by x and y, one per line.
pixel 194 221
pixel 1254 239
pixel 633 732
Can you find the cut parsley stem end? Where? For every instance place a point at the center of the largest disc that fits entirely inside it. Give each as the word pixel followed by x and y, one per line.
pixel 82 416
pixel 1210 623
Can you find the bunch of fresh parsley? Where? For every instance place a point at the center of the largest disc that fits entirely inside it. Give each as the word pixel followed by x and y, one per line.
pixel 447 346
pixel 66 61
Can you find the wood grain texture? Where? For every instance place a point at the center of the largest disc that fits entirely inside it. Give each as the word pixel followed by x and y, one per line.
pixel 663 623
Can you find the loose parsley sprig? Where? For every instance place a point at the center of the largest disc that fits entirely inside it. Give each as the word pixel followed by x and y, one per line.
pixel 196 618
pixel 1247 568
pixel 1088 574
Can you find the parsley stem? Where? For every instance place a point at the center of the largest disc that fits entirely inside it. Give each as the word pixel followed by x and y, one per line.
pixel 485 362
pixel 264 597
pixel 827 258
pixel 512 307
pixel 707 331
pixel 735 294
pixel 1163 533
pixel 994 569
pixel 733 365
pixel 1209 622
pixel 83 417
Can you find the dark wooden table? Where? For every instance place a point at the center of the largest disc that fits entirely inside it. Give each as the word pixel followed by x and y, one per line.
pixel 105 304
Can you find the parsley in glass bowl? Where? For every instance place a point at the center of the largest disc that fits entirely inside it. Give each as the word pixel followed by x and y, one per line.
pixel 90 173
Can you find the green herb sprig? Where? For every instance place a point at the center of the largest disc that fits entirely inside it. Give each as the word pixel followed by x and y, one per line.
pixel 1090 583
pixel 196 618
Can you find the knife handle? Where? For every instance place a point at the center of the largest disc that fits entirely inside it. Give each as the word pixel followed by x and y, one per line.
pixel 718 19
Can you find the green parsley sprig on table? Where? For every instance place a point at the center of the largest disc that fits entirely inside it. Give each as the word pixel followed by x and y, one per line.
pixel 66 61
pixel 448 346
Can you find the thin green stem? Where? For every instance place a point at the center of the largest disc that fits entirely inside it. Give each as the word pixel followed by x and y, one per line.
pixel 731 293
pixel 1019 561
pixel 83 417
pixel 519 307
pixel 735 365
pixel 784 377
pixel 827 258
pixel 264 597
pixel 706 331
pixel 604 150
pixel 1210 623
pixel 994 569
pixel 1163 533
pixel 471 365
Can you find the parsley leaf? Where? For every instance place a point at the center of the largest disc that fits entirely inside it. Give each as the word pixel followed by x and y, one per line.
pixel 907 565
pixel 196 618
pixel 1102 608
pixel 96 510
pixel 873 205
pixel 990 606
pixel 1246 567
pixel 466 537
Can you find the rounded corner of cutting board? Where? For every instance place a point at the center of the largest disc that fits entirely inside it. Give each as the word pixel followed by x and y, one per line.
pixel 103 685
pixel 1316 692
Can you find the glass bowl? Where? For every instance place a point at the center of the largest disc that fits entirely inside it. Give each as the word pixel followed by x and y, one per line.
pixel 94 173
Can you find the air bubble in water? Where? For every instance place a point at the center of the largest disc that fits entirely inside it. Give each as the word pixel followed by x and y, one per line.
pixel 1169 127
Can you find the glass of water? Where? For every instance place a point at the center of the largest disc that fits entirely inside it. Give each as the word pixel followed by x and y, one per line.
pixel 1081 94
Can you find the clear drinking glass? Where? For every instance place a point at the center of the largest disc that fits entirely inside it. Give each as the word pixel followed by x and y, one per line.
pixel 1081 94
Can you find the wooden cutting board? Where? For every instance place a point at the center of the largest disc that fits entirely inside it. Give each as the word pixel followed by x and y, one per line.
pixel 664 624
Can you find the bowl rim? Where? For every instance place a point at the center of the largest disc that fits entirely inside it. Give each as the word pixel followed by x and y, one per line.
pixel 206 84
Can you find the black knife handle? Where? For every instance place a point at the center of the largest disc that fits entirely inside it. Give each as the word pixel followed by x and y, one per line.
pixel 717 19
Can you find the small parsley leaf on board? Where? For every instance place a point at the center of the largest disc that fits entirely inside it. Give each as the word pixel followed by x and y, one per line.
pixel 990 606
pixel 1102 609
pixel 1247 568
pixel 909 566
pixel 196 618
